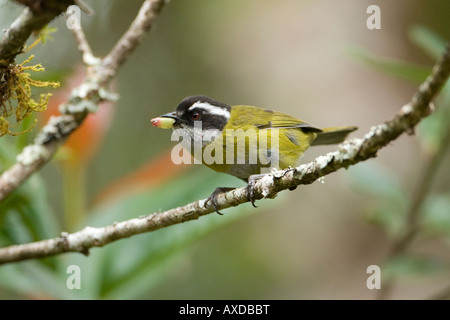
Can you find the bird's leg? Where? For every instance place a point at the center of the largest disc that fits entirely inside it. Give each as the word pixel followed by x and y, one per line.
pixel 251 187
pixel 250 192
pixel 213 197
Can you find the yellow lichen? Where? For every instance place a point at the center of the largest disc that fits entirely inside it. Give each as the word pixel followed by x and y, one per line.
pixel 15 93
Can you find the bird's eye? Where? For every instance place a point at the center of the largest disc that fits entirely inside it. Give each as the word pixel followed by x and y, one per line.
pixel 195 116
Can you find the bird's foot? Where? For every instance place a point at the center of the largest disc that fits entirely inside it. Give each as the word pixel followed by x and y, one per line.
pixel 213 197
pixel 251 187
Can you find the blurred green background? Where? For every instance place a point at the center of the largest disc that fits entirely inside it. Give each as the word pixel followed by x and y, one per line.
pixel 315 60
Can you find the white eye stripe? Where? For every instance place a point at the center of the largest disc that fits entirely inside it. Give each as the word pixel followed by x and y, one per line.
pixel 211 109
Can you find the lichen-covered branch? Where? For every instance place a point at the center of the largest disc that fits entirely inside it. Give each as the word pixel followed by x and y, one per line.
pixel 83 99
pixel 349 153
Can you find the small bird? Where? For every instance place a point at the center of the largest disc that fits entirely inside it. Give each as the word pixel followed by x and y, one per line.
pixel 243 141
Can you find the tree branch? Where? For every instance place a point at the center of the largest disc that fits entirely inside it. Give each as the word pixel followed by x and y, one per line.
pixel 350 152
pixel 82 100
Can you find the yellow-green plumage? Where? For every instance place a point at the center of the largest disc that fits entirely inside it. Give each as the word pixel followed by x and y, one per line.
pixel 257 125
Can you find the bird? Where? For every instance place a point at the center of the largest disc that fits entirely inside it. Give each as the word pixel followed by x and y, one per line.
pixel 242 140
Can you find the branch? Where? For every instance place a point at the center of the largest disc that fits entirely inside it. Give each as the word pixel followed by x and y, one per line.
pixel 83 100
pixel 350 152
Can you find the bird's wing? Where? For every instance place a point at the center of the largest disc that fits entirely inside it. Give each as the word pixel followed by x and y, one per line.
pixel 279 120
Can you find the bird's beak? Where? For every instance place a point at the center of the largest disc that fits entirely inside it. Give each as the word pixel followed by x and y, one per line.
pixel 166 121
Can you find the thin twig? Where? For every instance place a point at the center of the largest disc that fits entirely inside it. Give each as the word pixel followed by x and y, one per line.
pixel 350 152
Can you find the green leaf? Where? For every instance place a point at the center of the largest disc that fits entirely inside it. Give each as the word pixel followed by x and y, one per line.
pixel 436 214
pixel 431 43
pixel 25 216
pixel 388 198
pixel 377 181
pixel 388 215
pixel 402 266
pixel 409 71
pixel 28 214
pixel 33 279
pixel 432 129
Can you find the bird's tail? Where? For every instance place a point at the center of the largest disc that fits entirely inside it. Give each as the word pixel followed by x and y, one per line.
pixel 332 135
